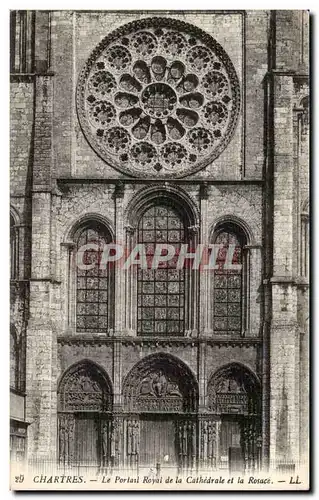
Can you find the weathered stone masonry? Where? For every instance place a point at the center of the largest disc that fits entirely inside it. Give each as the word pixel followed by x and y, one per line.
pixel 254 178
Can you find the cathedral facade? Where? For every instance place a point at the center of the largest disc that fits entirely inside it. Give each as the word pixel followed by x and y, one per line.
pixel 181 129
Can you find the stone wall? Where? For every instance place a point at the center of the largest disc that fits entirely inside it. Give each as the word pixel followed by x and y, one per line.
pixel 289 346
pixel 21 126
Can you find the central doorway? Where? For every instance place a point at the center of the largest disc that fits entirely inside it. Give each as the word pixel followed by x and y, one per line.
pixel 158 446
pixel 161 396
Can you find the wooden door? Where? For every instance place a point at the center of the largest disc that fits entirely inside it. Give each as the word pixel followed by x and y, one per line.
pixel 87 440
pixel 158 443
pixel 229 444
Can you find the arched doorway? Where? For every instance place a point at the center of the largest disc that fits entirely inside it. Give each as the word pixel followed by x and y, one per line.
pixel 234 398
pixel 161 396
pixel 85 428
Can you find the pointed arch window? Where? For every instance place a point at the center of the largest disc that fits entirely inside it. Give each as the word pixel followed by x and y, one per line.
pixel 94 285
pixel 229 284
pixel 161 292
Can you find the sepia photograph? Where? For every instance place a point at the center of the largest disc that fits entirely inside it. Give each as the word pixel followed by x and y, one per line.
pixel 159 250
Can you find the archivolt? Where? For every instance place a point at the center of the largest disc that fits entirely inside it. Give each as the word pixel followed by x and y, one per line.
pixel 88 219
pixel 149 196
pixel 85 386
pixel 237 221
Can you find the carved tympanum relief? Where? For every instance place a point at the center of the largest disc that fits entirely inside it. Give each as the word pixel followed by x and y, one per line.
pixel 160 385
pixel 233 389
pixel 84 390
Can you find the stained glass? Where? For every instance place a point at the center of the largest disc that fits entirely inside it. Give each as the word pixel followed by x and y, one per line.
pixel 161 292
pixel 92 284
pixel 158 115
pixel 228 285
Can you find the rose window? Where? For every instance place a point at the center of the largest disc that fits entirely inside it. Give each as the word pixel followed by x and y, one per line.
pixel 158 97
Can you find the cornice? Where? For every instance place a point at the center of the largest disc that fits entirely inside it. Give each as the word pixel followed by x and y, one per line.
pixel 282 72
pixel 66 181
pixel 103 339
pixel 28 77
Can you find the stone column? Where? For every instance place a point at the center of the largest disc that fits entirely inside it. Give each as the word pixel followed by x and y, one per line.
pixel 132 442
pixel 117 373
pixel 130 286
pixel 192 291
pixel 208 443
pixel 119 296
pixel 301 159
pixel 66 426
pixel 193 437
pixel 186 433
pixel 284 341
pixel 304 375
pixel 202 375
pixel 108 443
pixel 252 291
pixel 204 295
pixel 119 299
pixel 41 342
pixel 69 290
pixel 117 445
pixel 250 436
pixel 205 275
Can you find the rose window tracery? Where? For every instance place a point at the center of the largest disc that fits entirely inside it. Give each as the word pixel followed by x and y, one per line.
pixel 158 97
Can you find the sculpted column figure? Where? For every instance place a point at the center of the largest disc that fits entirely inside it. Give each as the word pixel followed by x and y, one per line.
pixel 208 450
pixel 133 442
pixel 66 439
pixel 106 443
pixel 193 449
pixel 203 440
